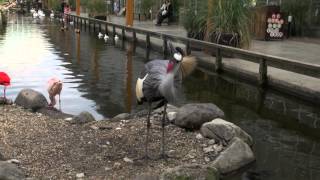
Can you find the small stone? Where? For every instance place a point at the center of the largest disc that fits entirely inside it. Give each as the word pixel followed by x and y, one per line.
pixel 190 156
pixel 117 165
pixel 108 143
pixel 104 146
pixel 68 119
pixel 118 128
pixel 206 159
pixel 128 160
pixel 107 168
pixel 208 149
pixel 194 161
pixel 14 161
pixel 211 142
pixel 80 175
pixel 94 127
pixel 199 136
pixel 217 147
pixel 171 116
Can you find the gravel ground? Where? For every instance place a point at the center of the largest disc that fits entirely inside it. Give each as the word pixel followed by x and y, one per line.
pixel 55 149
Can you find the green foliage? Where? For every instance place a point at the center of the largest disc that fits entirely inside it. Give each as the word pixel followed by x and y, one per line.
pixel 299 10
pixel 146 6
pixel 55 5
pixel 96 6
pixel 227 16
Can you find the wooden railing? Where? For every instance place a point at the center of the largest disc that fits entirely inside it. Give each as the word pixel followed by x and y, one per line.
pixel 263 60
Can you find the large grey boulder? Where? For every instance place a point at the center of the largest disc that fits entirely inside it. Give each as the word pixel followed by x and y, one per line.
pixel 82 118
pixel 224 131
pixel 236 155
pixel 31 99
pixel 190 171
pixel 192 116
pixel 9 171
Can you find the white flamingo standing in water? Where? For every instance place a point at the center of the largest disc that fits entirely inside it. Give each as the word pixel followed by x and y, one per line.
pixel 54 88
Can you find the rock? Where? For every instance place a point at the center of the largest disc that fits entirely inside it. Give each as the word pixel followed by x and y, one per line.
pixel 5 101
pixel 171 116
pixel 82 118
pixel 128 160
pixel 208 149
pixel 14 161
pixel 9 171
pixel 235 156
pixel 31 99
pixel 107 168
pixel 80 175
pixel 94 127
pixel 199 136
pixel 170 108
pixel 190 171
pixel 54 113
pixel 192 116
pixel 122 116
pixel 224 131
pixel 211 142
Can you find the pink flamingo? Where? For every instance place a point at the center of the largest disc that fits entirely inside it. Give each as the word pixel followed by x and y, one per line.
pixel 54 88
pixel 4 81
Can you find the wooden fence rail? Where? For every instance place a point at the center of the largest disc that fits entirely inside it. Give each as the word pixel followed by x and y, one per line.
pixel 263 60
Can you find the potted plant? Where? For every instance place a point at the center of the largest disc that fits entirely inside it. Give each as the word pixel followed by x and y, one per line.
pixel 97 9
pixel 146 6
pixel 221 21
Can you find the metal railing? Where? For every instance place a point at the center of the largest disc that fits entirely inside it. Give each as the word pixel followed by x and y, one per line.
pixel 308 69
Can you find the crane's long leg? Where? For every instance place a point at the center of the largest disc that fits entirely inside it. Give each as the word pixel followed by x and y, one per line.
pixel 4 92
pixel 59 103
pixel 148 130
pixel 163 155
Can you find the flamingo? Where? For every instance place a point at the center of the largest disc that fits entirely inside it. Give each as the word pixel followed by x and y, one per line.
pixel 54 88
pixel 4 81
pixel 159 81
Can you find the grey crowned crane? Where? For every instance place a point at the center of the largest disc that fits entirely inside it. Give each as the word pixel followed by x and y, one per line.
pixel 159 81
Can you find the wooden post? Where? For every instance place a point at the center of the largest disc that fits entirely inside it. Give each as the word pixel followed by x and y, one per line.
pixel 99 27
pixel 134 41
pixel 123 37
pixel 129 12
pixel 263 73
pixel 78 7
pixel 218 64
pixel 94 26
pixel 106 30
pixel 148 46
pixel 113 34
pixel 165 47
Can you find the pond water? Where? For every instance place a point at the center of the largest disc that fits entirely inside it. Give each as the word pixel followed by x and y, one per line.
pixel 100 78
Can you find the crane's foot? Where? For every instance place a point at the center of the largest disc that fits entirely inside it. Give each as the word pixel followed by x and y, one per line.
pixel 143 158
pixel 165 157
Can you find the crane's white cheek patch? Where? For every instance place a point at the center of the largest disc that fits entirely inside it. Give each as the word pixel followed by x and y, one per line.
pixel 177 56
pixel 139 85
